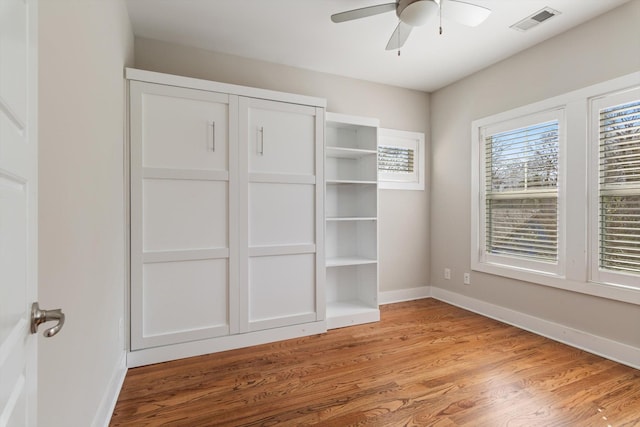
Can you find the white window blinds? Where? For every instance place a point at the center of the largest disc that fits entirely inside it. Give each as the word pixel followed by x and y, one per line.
pixel 395 159
pixel 521 192
pixel 619 182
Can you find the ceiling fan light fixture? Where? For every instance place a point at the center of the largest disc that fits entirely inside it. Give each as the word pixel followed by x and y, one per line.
pixel 465 13
pixel 417 12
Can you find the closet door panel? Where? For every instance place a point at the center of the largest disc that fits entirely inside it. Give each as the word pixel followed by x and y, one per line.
pixel 183 297
pixel 281 214
pixel 184 214
pixel 185 129
pixel 281 138
pixel 281 199
pixel 184 250
pixel 282 290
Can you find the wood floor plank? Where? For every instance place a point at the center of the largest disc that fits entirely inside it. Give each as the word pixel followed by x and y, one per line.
pixel 426 363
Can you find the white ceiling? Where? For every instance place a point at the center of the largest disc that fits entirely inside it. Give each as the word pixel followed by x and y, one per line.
pixel 300 33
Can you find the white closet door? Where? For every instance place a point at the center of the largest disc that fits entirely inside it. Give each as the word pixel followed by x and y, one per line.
pixel 183 214
pixel 281 204
pixel 281 138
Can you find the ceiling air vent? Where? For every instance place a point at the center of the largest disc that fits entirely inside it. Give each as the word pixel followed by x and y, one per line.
pixel 535 19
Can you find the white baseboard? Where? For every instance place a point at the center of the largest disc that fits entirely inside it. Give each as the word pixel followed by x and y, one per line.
pixel 110 397
pixel 598 345
pixel 389 297
pixel 229 342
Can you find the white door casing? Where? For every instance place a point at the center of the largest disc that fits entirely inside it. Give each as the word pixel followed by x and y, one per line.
pixel 18 211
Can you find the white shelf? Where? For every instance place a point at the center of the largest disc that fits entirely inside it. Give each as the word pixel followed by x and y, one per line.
pixel 348 153
pixel 339 120
pixel 347 313
pixel 352 218
pixel 350 181
pixel 353 260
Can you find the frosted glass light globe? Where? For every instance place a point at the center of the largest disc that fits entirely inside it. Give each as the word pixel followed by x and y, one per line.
pixel 418 12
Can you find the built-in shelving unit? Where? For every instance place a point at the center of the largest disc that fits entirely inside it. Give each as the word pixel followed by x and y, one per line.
pixel 351 238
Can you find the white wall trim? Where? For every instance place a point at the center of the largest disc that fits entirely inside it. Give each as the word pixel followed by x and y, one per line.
pixel 389 297
pixel 166 353
pixel 598 345
pixel 110 397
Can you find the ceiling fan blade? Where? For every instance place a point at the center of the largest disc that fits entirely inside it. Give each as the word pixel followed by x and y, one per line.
pixel 464 13
pixel 362 12
pixel 399 36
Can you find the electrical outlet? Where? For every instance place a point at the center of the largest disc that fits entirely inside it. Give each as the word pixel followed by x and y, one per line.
pixel 447 273
pixel 467 278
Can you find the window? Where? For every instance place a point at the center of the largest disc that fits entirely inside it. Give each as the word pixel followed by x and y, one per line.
pixel 555 191
pixel 519 195
pixel 522 192
pixel 616 137
pixel 400 159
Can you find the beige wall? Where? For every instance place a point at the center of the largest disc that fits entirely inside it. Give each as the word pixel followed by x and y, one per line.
pixel 83 48
pixel 601 49
pixel 404 251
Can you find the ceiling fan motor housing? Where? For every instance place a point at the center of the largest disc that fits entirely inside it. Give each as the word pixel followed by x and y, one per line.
pixel 416 12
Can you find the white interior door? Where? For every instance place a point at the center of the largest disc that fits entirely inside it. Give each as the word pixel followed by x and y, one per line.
pixel 18 210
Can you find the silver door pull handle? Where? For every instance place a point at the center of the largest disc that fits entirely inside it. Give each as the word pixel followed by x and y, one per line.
pixel 39 317
pixel 261 150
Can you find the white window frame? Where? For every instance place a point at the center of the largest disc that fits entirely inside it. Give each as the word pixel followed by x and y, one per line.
pixel 495 262
pixel 578 193
pixel 403 139
pixel 598 274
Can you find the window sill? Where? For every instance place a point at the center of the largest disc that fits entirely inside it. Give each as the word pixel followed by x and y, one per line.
pixel 602 290
pixel 391 185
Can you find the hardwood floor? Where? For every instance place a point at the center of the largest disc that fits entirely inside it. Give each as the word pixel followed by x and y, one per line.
pixel 426 363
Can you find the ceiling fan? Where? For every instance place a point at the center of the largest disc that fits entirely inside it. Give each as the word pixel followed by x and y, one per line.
pixel 414 13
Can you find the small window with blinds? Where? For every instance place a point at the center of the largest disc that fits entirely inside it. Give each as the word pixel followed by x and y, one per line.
pixel 619 187
pixel 400 160
pixel 521 192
